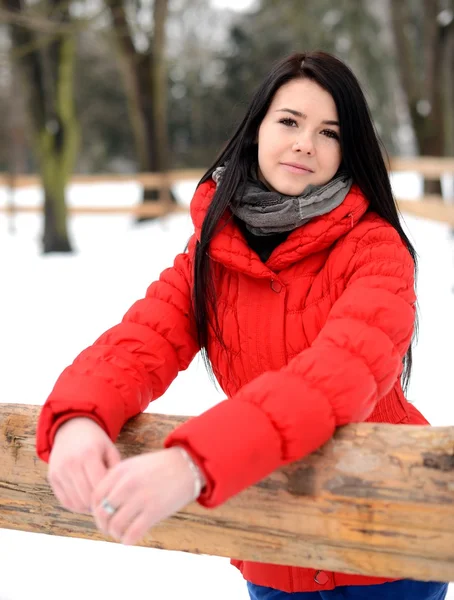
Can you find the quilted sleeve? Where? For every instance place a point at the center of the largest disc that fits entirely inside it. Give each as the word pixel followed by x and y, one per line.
pixel 281 416
pixel 131 364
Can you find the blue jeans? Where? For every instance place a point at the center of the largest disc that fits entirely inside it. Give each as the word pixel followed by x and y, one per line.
pixel 404 589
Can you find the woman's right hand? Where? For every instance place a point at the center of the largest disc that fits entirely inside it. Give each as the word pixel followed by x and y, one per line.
pixel 81 455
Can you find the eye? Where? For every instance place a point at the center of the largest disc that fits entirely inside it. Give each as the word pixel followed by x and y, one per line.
pixel 288 122
pixel 330 134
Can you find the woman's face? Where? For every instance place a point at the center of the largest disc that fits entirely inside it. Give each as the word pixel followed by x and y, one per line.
pixel 298 140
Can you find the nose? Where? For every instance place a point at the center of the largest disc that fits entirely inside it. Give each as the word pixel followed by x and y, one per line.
pixel 304 144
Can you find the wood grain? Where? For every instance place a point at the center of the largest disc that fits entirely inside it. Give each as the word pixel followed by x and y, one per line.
pixel 375 500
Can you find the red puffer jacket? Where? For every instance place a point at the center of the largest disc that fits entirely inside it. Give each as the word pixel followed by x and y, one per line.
pixel 314 339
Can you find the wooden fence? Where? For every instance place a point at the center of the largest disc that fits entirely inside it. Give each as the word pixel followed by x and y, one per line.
pixel 430 207
pixel 375 500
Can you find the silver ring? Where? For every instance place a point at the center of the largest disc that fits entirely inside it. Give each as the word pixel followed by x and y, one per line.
pixel 107 507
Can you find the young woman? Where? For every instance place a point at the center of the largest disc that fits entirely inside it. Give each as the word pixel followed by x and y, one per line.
pixel 298 287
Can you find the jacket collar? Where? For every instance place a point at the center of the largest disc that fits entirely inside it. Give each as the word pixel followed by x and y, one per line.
pixel 230 248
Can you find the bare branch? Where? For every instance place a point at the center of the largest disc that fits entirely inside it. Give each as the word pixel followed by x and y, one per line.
pixel 35 22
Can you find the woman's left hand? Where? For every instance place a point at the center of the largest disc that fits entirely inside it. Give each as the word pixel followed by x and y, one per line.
pixel 143 490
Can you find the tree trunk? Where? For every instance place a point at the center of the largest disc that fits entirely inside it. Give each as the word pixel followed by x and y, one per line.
pixel 17 146
pixel 57 143
pixel 145 77
pixel 159 89
pixel 47 73
pixel 448 84
pixel 429 129
pixel 421 73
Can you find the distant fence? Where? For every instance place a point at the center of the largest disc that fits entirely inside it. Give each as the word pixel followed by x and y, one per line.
pixel 430 207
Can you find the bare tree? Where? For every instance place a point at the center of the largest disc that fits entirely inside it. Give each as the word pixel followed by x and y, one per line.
pixel 143 63
pixel 45 62
pixel 424 38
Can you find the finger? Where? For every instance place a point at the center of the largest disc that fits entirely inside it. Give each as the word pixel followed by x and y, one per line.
pixel 112 456
pixel 78 489
pixel 122 519
pixel 95 470
pixel 105 491
pixel 136 530
pixel 122 496
pixel 61 495
pixel 107 483
pixel 102 517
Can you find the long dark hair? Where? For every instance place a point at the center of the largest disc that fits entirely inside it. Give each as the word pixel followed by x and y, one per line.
pixel 361 158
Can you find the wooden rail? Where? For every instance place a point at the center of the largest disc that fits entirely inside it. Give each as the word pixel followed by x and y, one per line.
pixel 151 209
pixel 426 207
pixel 375 500
pixel 429 207
pixel 427 166
pixel 148 180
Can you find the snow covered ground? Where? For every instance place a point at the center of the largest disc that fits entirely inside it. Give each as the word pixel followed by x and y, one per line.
pixel 53 306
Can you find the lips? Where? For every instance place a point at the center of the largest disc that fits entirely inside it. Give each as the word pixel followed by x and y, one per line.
pixel 297 168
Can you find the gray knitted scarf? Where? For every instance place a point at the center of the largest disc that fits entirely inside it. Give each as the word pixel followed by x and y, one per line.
pixel 266 212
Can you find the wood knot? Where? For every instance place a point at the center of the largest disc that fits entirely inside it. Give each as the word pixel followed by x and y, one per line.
pixel 301 481
pixel 440 462
pixel 14 442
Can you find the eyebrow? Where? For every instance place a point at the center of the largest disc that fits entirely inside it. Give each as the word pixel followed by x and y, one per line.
pixel 296 113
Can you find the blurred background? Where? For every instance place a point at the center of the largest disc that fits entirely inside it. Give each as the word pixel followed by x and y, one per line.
pixel 142 86
pixel 110 113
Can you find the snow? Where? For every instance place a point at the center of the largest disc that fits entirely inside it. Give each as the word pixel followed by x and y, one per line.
pixel 235 5
pixel 53 306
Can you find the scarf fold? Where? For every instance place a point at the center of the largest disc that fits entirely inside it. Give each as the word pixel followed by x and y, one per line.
pixel 266 212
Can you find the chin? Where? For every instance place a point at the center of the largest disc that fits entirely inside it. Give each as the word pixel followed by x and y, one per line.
pixel 290 190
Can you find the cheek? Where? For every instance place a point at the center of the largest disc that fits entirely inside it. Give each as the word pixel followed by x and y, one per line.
pixel 338 157
pixel 266 148
pixel 333 155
